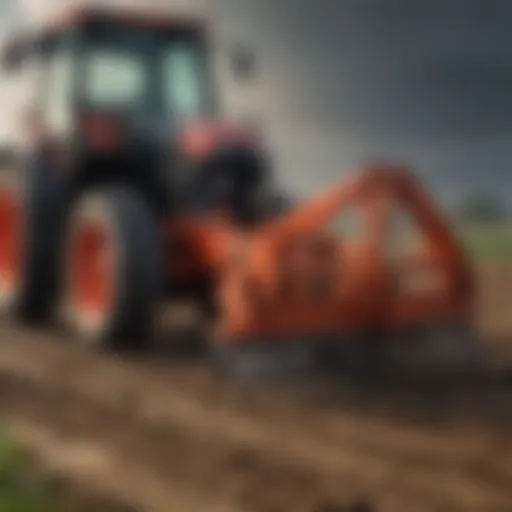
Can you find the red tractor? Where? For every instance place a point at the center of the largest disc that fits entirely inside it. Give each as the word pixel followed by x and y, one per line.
pixel 135 190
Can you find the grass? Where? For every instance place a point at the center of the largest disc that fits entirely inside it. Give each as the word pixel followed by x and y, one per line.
pixel 19 492
pixel 488 242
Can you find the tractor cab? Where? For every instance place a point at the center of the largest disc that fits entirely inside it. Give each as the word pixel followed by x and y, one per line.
pixel 132 97
pixel 142 71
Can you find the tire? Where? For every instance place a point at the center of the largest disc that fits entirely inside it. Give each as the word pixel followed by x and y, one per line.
pixel 127 288
pixel 30 212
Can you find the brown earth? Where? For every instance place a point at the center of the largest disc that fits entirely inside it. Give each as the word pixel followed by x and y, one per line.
pixel 163 433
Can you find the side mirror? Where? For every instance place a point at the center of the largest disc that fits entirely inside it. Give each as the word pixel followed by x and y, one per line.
pixel 14 53
pixel 243 63
pixel 10 59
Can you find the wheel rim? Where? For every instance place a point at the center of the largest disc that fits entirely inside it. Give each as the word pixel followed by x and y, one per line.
pixel 92 282
pixel 10 243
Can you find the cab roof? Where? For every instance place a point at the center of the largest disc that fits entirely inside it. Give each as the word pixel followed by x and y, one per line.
pixel 162 19
pixel 69 18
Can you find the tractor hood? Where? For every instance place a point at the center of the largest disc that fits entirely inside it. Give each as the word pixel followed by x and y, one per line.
pixel 201 139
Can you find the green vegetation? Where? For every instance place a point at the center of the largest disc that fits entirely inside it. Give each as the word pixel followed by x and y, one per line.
pixel 484 223
pixel 18 492
pixel 488 241
pixel 482 207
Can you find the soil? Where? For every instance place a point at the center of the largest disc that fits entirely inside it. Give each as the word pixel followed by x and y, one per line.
pixel 163 432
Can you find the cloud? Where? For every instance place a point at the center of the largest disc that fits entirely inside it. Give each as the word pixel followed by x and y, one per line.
pixel 426 82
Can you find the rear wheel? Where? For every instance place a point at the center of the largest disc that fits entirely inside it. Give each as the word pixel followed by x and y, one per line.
pixel 29 238
pixel 112 281
pixel 10 245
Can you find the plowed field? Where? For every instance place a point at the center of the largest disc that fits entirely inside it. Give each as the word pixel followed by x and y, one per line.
pixel 164 433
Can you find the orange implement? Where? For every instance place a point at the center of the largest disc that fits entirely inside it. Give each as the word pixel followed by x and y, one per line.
pixel 294 276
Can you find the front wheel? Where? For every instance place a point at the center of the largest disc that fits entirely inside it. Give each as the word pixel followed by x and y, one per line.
pixel 112 277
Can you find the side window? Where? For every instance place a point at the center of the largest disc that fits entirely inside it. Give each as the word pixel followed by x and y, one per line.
pixel 58 91
pixel 184 80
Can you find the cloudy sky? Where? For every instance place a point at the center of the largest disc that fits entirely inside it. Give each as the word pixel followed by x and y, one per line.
pixel 428 83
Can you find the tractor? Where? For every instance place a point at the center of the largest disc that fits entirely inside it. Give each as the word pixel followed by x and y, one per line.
pixel 135 190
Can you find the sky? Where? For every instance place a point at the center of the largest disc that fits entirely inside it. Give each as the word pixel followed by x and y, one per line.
pixel 341 81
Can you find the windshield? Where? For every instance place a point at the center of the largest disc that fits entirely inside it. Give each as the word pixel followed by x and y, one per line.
pixel 140 69
pixel 115 78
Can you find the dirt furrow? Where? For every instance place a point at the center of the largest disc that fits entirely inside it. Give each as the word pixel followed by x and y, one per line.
pixel 259 462
pixel 128 385
pixel 89 474
pixel 211 469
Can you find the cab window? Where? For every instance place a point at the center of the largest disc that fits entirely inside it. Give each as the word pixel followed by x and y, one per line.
pixel 114 78
pixel 185 80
